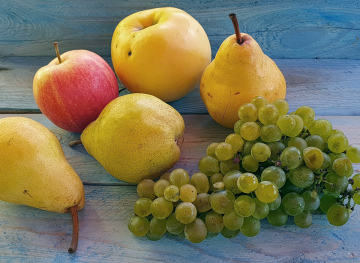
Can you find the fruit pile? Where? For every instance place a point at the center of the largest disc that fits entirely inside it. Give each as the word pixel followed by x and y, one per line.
pixel 274 166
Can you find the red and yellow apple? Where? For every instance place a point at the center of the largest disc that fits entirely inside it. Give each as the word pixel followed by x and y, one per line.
pixel 161 51
pixel 74 88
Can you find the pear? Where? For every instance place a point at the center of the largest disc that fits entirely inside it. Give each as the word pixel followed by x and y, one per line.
pixel 34 171
pixel 239 72
pixel 136 136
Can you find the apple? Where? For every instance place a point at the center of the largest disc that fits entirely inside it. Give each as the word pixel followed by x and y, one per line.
pixel 160 51
pixel 74 88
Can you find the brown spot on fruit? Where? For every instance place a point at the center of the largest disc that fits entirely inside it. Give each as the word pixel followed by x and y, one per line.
pixel 209 95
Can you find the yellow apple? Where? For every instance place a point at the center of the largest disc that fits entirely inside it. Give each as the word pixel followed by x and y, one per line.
pixel 161 51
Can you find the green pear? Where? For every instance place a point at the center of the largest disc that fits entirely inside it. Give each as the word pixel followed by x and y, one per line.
pixel 34 170
pixel 136 136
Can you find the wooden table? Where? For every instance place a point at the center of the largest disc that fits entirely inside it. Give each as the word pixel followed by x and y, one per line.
pixel 330 85
pixel 28 234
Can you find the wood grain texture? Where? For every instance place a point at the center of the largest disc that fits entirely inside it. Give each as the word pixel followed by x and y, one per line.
pixel 284 29
pixel 29 235
pixel 318 83
pixel 200 131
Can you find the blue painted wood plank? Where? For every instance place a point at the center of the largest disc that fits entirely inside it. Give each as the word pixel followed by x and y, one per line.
pixel 316 82
pixel 284 29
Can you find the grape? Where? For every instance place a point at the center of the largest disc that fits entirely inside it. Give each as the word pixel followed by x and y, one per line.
pixel 353 153
pixel 210 150
pixel 303 220
pixel 230 181
pixel 185 212
pixel 321 127
pixel 224 151
pixel 261 152
pixel 326 163
pixel 275 204
pixel 277 217
pixel 293 204
pixel 236 142
pixel 307 114
pixel 301 177
pixel 270 133
pixel 142 207
pixel 315 141
pixel 291 157
pixel 160 186
pixel 227 233
pixel 172 193
pixel 276 149
pixel 215 178
pixel 259 101
pixel 222 201
pixel 261 209
pixel 356 198
pixel 246 150
pixel 202 202
pixel 356 179
pixel 337 215
pixel 247 182
pixel 334 156
pixel 232 220
pixel 250 131
pixel 188 193
pixel 286 123
pixel 195 231
pixel 250 227
pixel 337 143
pixel 244 205
pixel 313 157
pixel 297 142
pixel 289 187
pixel 336 183
pixel 268 114
pixel 312 200
pixel 249 163
pixel 274 174
pixel 173 226
pixel 214 222
pixel 282 106
pixel 299 126
pixel 139 226
pixel 145 189
pixel 161 208
pixel 165 176
pixel 229 165
pixel 238 125
pixel 248 112
pixel 201 182
pixel 179 177
pixel 266 192
pixel 343 167
pixel 326 201
pixel 153 237
pixel 157 226
pixel 209 165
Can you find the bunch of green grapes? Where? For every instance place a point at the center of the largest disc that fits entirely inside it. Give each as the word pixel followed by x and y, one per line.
pixel 274 165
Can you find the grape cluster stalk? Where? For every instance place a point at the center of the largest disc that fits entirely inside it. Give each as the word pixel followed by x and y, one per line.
pixel 274 165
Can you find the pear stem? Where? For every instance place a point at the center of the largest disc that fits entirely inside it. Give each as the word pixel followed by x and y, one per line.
pixel 73 143
pixel 236 27
pixel 75 234
pixel 56 45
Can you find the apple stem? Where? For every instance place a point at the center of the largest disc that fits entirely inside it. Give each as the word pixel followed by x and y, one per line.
pixel 56 45
pixel 236 27
pixel 73 143
pixel 75 234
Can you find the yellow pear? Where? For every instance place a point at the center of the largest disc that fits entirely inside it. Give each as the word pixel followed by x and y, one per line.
pixel 239 72
pixel 136 136
pixel 34 170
